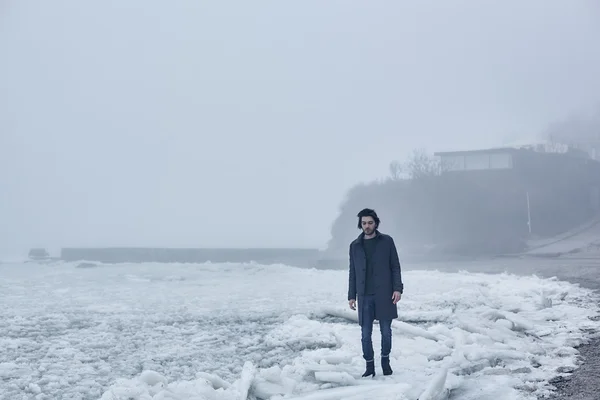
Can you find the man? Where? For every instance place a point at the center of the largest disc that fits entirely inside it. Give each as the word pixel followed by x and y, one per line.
pixel 374 275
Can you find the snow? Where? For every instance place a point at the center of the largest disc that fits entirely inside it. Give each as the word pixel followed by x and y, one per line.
pixel 578 240
pixel 237 331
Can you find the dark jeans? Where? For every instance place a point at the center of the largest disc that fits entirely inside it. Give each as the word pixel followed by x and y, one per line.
pixel 368 309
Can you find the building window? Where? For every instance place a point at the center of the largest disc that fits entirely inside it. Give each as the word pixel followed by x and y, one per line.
pixel 474 162
pixel 453 163
pixel 500 161
pixel 477 161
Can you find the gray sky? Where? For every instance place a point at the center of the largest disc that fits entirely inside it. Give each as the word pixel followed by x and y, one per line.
pixel 220 123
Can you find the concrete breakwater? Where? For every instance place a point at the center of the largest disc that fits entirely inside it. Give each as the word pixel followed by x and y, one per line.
pixel 291 256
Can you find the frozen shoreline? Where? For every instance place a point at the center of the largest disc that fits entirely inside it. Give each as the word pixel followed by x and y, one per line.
pixel 111 323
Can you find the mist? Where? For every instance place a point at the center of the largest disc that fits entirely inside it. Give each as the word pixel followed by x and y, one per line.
pixel 209 124
pixel 576 128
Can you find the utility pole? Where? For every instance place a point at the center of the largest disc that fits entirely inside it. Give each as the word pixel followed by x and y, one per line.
pixel 528 214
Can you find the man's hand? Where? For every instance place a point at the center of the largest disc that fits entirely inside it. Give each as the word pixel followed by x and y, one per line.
pixel 396 297
pixel 352 304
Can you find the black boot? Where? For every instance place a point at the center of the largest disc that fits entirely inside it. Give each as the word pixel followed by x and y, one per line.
pixel 385 366
pixel 370 369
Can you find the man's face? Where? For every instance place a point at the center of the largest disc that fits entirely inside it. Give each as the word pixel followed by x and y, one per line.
pixel 368 225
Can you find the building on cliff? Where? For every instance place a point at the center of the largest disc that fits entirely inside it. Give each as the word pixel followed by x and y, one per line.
pixel 482 202
pixel 495 196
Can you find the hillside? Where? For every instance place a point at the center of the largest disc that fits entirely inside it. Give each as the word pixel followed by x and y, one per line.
pixel 476 211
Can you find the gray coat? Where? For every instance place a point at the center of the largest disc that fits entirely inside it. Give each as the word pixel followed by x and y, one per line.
pixel 387 276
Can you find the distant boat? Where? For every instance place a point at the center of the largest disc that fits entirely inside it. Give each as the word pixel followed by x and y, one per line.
pixel 38 254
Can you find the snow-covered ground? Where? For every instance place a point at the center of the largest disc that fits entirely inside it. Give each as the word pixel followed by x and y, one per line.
pixel 578 240
pixel 233 331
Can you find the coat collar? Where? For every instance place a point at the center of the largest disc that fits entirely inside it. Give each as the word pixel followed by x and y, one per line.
pixel 360 237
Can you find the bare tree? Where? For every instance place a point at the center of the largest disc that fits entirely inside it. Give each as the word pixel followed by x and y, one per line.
pixel 422 165
pixel 396 171
pixel 419 165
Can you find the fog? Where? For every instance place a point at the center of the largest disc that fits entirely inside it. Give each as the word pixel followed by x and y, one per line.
pixel 216 124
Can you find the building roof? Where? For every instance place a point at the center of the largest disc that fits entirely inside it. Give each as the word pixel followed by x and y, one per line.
pixel 481 151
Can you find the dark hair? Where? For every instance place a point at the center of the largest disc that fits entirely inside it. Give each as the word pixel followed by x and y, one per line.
pixel 367 212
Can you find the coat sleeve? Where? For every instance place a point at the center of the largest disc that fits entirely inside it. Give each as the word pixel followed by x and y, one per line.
pixel 351 277
pixel 395 266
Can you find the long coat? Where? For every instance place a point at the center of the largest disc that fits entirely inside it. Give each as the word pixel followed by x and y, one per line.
pixel 387 276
